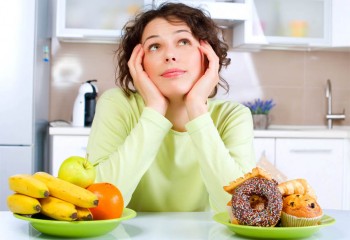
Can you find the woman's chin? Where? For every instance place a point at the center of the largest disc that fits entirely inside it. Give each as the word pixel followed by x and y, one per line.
pixel 176 93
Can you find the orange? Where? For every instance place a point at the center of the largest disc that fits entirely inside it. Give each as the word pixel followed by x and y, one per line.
pixel 110 201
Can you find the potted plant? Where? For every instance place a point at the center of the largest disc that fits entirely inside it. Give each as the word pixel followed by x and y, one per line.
pixel 260 110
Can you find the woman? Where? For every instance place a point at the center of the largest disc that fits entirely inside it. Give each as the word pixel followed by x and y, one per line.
pixel 163 142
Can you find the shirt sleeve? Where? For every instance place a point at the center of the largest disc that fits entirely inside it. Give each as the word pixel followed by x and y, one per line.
pixel 225 151
pixel 122 144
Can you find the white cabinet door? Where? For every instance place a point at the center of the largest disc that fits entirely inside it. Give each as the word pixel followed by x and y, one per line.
pixel 320 162
pixel 13 160
pixel 285 24
pixel 265 146
pixel 225 13
pixel 63 147
pixel 94 20
pixel 340 18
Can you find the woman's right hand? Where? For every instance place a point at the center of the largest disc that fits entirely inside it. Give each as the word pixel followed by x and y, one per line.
pixel 146 88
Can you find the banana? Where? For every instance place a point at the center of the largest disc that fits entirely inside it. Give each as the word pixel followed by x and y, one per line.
pixel 83 214
pixel 28 185
pixel 23 204
pixel 67 191
pixel 58 209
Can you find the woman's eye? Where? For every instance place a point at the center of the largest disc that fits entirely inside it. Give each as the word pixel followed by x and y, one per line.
pixel 183 42
pixel 153 47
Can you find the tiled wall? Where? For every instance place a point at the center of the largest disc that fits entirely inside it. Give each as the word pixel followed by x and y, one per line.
pixel 296 80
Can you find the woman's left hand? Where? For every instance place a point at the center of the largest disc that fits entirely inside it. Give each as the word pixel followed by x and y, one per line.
pixel 196 98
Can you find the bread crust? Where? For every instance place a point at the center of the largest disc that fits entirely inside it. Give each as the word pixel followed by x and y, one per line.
pixel 256 172
pixel 296 186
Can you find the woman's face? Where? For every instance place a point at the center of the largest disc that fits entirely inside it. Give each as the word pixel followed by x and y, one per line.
pixel 172 57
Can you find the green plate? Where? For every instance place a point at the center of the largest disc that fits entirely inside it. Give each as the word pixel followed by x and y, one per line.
pixel 272 232
pixel 77 228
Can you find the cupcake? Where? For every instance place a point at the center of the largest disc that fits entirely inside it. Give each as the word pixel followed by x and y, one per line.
pixel 300 210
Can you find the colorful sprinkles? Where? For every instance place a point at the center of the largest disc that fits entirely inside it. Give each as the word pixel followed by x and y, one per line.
pixel 241 207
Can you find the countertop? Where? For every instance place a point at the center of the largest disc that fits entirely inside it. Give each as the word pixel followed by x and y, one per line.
pixel 184 225
pixel 280 131
pixel 296 131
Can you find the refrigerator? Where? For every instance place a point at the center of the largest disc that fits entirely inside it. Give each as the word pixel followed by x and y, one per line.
pixel 24 89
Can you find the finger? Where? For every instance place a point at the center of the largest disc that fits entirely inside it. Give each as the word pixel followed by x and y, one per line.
pixel 139 59
pixel 134 53
pixel 209 52
pixel 131 62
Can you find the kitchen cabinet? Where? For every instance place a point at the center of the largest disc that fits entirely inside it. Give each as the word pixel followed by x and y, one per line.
pixel 224 13
pixel 294 25
pixel 94 20
pixel 265 147
pixel 101 21
pixel 285 24
pixel 322 162
pixel 64 143
pixel 322 157
pixel 247 24
pixel 340 18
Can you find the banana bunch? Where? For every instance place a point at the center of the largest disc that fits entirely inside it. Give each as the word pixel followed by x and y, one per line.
pixel 51 196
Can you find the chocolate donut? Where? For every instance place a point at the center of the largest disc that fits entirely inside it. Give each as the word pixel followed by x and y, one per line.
pixel 257 202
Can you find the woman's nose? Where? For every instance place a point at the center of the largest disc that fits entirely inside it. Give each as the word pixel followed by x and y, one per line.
pixel 170 55
pixel 170 59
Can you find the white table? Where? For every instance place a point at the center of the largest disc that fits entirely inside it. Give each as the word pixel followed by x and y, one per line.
pixel 159 226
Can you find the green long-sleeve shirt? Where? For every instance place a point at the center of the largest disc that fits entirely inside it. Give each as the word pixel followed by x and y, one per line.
pixel 159 169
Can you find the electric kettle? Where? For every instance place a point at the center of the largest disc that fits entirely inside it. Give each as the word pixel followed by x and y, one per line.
pixel 85 104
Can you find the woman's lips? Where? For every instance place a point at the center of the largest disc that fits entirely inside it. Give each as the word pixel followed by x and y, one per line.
pixel 171 73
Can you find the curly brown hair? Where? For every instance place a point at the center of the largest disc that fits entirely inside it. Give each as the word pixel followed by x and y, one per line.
pixel 200 23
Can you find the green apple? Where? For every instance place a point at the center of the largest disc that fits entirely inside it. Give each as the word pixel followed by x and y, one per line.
pixel 77 170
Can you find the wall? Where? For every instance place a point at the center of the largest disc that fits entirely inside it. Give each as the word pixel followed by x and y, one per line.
pixel 296 80
pixel 72 64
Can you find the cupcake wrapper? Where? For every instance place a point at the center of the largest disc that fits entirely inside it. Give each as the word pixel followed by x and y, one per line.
pixel 292 221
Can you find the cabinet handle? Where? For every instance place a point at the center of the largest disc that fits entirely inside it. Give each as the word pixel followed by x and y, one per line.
pixel 311 150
